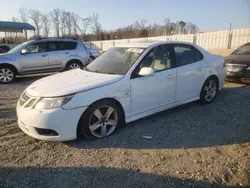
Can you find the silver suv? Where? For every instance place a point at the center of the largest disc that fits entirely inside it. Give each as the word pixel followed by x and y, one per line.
pixel 42 55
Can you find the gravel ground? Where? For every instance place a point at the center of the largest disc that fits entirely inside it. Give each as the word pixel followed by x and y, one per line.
pixel 191 146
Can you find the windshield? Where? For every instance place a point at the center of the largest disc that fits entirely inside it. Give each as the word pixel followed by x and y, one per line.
pixel 243 50
pixel 18 48
pixel 115 61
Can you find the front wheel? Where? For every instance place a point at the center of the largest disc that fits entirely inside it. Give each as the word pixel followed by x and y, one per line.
pixel 209 90
pixel 7 75
pixel 100 120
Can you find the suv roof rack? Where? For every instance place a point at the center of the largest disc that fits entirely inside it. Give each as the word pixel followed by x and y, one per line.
pixel 43 38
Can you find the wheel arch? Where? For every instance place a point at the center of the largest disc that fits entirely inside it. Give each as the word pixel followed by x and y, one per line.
pixel 74 59
pixel 100 100
pixel 10 66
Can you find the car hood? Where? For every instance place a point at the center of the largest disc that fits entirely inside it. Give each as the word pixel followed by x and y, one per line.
pixel 238 59
pixel 69 82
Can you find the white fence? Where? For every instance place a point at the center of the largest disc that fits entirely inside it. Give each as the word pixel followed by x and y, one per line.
pixel 208 40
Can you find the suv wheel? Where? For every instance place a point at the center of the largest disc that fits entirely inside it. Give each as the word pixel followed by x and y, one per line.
pixel 73 64
pixel 7 75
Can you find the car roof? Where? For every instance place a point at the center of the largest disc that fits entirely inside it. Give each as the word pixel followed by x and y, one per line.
pixel 54 39
pixel 146 44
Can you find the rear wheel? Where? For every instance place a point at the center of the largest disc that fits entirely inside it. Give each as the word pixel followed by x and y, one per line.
pixel 100 120
pixel 74 64
pixel 7 75
pixel 209 90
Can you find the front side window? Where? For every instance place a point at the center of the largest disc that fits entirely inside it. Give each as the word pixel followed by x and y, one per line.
pixel 36 48
pixel 243 50
pixel 159 58
pixel 117 60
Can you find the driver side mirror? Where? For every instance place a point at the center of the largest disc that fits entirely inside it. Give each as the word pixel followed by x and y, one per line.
pixel 24 51
pixel 146 71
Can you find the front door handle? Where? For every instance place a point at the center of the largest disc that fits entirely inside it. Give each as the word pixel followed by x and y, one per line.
pixel 44 55
pixel 169 76
pixel 199 69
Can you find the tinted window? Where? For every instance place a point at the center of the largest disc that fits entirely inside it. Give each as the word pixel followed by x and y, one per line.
pixel 197 55
pixel 51 46
pixel 159 58
pixel 243 50
pixel 186 54
pixel 60 45
pixel 38 47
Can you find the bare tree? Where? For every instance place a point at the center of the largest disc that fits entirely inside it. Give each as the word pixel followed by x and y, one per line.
pixel 36 17
pixel 55 18
pixel 83 26
pixel 46 24
pixel 74 20
pixel 141 28
pixel 166 22
pixel 68 22
pixel 96 26
pixel 24 17
pixel 63 17
pixel 14 19
pixel 191 28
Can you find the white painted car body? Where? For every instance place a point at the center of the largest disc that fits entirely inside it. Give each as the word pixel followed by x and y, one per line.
pixel 138 97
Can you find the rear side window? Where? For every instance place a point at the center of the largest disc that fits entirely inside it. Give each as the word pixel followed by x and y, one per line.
pixel 70 45
pixel 65 45
pixel 186 54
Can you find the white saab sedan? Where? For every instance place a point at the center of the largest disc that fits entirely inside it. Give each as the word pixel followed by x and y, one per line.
pixel 126 83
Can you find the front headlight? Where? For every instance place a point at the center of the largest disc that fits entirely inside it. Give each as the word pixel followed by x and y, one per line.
pixel 248 68
pixel 50 103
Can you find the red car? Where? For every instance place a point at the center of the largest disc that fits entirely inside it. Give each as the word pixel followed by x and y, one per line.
pixel 1 51
pixel 237 65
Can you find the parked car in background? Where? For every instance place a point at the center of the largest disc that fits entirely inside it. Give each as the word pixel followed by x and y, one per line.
pixel 42 55
pixel 237 64
pixel 126 83
pixel 93 50
pixel 2 51
pixel 5 48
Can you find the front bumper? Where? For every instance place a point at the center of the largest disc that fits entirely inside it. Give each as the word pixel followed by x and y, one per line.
pixel 63 122
pixel 243 76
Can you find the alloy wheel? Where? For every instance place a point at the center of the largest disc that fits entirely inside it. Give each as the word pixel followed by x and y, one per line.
pixel 210 90
pixel 6 75
pixel 74 66
pixel 103 121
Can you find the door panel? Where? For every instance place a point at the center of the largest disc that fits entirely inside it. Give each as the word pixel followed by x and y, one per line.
pixel 191 71
pixel 153 91
pixel 190 79
pixel 36 57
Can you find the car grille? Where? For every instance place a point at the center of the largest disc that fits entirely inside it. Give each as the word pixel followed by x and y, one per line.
pixel 27 101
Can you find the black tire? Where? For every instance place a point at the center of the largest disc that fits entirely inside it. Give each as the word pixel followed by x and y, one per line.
pixel 204 92
pixel 72 64
pixel 7 79
pixel 83 125
pixel 92 58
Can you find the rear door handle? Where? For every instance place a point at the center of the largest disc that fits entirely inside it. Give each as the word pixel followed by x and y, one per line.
pixel 66 53
pixel 199 69
pixel 44 55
